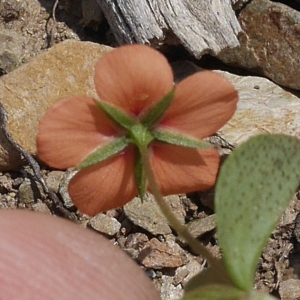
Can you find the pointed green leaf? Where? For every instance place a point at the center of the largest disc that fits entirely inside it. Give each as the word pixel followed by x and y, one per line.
pixel 124 120
pixel 179 139
pixel 140 177
pixel 157 111
pixel 224 292
pixel 255 185
pixel 104 152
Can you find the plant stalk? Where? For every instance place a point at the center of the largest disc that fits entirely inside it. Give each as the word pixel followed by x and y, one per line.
pixel 181 230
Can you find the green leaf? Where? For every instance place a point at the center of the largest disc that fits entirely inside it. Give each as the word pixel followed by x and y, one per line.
pixel 116 114
pixel 179 139
pixel 104 152
pixel 157 111
pixel 140 177
pixel 255 185
pixel 225 292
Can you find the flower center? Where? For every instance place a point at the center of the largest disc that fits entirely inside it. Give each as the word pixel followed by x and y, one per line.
pixel 140 135
pixel 141 97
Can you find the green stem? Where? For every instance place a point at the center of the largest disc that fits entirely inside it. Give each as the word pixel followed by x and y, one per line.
pixel 181 230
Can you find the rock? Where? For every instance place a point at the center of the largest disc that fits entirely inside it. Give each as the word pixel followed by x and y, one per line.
pixel 176 204
pixel 54 179
pixel 170 291
pixel 238 4
pixel 11 10
pixel 192 268
pixel 29 192
pixel 270 43
pixel 184 273
pixel 105 224
pixel 157 255
pixel 11 49
pixel 63 188
pixel 147 214
pixel 199 227
pixel 263 108
pixel 135 242
pixel 5 184
pixel 41 207
pixel 290 289
pixel 65 70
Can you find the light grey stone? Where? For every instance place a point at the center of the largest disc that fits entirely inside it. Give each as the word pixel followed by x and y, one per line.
pixel 169 291
pixel 263 108
pixel 29 192
pixel 63 188
pixel 147 215
pixel 11 49
pixel 54 179
pixel 105 224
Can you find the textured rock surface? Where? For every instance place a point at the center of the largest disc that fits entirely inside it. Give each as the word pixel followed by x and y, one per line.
pixel 290 289
pixel 157 255
pixel 270 44
pixel 263 107
pixel 26 93
pixel 105 224
pixel 147 215
pixel 11 49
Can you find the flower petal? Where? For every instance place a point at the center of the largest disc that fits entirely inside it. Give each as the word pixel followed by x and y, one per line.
pixel 133 77
pixel 106 185
pixel 183 170
pixel 203 103
pixel 70 130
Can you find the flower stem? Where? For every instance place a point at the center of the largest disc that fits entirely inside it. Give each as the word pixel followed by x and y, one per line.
pixel 181 230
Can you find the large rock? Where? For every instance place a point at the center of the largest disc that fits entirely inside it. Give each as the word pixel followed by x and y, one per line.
pixel 270 44
pixel 263 108
pixel 26 93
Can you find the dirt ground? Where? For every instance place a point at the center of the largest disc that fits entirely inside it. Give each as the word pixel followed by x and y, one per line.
pixel 41 28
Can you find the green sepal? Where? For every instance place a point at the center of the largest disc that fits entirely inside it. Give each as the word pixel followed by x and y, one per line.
pixel 140 176
pixel 156 111
pixel 116 114
pixel 104 152
pixel 179 139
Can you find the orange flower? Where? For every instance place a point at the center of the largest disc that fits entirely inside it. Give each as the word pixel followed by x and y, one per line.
pixel 131 80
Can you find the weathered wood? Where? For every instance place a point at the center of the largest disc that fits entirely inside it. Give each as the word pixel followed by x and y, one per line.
pixel 201 26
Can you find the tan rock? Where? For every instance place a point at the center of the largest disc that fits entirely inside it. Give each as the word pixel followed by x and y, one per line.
pixel 290 289
pixel 269 42
pixel 26 93
pixel 157 255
